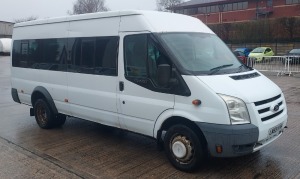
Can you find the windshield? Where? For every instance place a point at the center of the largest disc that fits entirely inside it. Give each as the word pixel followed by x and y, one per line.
pixel 201 53
pixel 258 50
pixel 295 51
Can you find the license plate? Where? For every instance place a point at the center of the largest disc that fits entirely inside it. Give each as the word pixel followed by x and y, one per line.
pixel 275 129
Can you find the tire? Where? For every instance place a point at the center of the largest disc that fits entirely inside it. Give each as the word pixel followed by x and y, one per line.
pixel 183 148
pixel 44 116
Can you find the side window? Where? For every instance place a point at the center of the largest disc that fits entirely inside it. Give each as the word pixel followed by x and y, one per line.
pixel 142 58
pixel 94 55
pixel 87 59
pixel 17 60
pixel 106 55
pixel 135 55
pixel 83 56
pixel 54 55
pixel 28 53
pixel 155 58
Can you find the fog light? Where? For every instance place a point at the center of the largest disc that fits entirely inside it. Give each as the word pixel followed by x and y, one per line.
pixel 219 149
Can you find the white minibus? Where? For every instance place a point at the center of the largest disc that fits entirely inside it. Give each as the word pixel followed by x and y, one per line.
pixel 163 75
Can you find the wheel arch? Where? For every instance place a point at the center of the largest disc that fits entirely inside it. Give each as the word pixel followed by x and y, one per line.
pixel 42 93
pixel 169 118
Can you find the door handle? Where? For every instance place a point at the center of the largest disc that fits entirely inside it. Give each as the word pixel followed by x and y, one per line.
pixel 121 86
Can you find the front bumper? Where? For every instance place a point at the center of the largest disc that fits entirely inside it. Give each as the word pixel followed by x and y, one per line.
pixel 236 140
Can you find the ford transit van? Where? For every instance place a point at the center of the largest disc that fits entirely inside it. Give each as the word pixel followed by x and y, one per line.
pixel 163 75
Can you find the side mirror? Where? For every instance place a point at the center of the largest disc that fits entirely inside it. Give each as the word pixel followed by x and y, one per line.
pixel 163 74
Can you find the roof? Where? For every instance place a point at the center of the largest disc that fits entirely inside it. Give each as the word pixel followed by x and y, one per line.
pixel 80 17
pixel 131 21
pixel 7 22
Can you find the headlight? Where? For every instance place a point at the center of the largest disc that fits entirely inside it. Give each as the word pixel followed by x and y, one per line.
pixel 237 109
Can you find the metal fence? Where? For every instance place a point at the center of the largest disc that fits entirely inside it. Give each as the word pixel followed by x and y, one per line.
pixel 282 65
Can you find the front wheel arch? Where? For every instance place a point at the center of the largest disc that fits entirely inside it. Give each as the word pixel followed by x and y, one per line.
pixel 176 120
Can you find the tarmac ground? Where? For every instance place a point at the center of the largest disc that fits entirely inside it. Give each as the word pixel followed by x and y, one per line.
pixel 83 149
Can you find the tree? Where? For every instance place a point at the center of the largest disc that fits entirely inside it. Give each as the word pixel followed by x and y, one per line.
pixel 167 5
pixel 88 6
pixel 31 18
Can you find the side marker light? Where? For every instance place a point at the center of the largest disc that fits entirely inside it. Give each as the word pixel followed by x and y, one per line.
pixel 196 102
pixel 219 149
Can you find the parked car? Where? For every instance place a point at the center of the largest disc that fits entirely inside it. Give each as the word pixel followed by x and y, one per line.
pixel 246 51
pixel 294 56
pixel 241 56
pixel 260 52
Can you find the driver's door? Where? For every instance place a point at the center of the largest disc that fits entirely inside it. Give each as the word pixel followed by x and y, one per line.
pixel 140 99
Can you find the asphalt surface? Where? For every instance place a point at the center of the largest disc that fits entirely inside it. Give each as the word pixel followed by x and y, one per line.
pixel 83 149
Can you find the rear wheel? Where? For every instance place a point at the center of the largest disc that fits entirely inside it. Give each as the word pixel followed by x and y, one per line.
pixel 43 114
pixel 45 117
pixel 183 148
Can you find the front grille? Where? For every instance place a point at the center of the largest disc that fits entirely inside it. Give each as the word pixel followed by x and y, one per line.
pixel 272 116
pixel 267 100
pixel 265 108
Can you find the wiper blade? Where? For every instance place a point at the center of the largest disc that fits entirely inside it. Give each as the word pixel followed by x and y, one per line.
pixel 216 69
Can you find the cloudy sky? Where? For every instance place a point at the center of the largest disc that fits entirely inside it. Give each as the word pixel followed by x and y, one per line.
pixel 16 9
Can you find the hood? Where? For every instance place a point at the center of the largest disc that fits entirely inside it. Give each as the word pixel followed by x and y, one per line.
pixel 293 54
pixel 255 54
pixel 249 89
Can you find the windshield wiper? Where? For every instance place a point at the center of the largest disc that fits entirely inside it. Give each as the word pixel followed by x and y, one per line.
pixel 216 69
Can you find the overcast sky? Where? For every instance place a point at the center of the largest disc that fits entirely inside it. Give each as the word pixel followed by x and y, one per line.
pixel 16 9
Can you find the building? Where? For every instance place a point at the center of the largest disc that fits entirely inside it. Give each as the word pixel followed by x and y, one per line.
pixel 222 11
pixel 6 29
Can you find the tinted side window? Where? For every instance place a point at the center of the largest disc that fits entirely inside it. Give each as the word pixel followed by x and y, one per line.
pixel 142 58
pixel 54 55
pixel 94 55
pixel 26 53
pixel 106 55
pixel 47 54
pixel 16 55
pixel 136 55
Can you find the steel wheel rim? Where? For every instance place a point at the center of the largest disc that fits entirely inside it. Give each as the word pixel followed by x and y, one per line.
pixel 182 143
pixel 42 115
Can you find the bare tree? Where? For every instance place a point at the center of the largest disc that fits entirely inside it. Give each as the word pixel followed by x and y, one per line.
pixel 167 5
pixel 31 18
pixel 88 6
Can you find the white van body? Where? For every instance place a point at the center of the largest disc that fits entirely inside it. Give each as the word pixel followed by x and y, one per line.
pixel 5 45
pixel 209 104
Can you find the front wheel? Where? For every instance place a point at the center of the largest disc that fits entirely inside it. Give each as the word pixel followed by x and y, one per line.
pixel 183 148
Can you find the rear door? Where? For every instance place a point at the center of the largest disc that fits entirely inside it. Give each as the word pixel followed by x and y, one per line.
pixel 140 99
